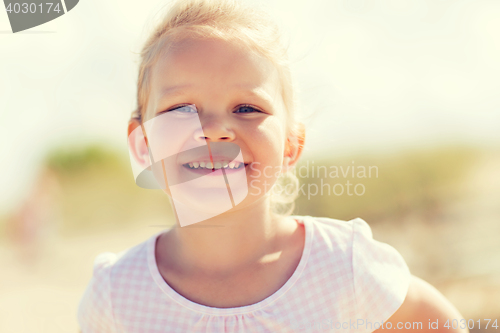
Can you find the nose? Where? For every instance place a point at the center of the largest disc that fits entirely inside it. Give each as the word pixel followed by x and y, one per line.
pixel 214 129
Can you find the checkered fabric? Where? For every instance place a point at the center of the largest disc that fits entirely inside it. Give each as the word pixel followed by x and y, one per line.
pixel 345 282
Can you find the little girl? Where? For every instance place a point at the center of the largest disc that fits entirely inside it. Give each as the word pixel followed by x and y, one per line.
pixel 215 128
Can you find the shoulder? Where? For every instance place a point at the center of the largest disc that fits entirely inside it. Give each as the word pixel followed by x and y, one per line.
pixel 103 263
pixel 375 273
pixel 335 227
pixel 355 238
pixel 355 241
pixel 94 310
pixel 381 277
pixel 111 271
pixel 329 234
pixel 326 223
pixel 424 304
pixel 109 264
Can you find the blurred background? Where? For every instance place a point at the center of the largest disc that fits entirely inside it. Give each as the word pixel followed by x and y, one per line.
pixel 406 87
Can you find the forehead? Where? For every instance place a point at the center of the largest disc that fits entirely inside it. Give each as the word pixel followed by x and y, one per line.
pixel 214 65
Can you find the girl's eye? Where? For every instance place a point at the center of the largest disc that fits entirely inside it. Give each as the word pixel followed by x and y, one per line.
pixel 247 109
pixel 184 109
pixel 180 110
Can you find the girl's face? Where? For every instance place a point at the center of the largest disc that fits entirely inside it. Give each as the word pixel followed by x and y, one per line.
pixel 230 95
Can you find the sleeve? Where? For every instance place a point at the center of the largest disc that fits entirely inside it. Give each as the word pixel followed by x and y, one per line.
pixel 381 278
pixel 95 313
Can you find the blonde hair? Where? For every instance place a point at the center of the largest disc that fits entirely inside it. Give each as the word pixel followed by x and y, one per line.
pixel 229 20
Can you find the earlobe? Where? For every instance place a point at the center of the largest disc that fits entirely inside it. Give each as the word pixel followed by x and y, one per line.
pixel 286 162
pixel 301 136
pixel 137 144
pixel 293 147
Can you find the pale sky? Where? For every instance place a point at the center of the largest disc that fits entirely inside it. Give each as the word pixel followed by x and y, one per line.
pixel 373 75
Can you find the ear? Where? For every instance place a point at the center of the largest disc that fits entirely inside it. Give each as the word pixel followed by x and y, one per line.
pixel 293 147
pixel 138 144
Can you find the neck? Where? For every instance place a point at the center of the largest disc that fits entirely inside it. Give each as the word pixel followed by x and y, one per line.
pixel 228 242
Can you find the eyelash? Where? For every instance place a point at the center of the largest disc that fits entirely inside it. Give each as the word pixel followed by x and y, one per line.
pixel 239 107
pixel 250 107
pixel 176 108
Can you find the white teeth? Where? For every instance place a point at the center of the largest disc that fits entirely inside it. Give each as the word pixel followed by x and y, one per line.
pixel 216 165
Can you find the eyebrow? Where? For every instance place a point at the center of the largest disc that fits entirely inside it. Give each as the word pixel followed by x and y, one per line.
pixel 174 90
pixel 256 93
pixel 244 89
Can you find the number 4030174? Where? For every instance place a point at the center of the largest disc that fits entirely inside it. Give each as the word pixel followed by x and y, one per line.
pixel 470 323
pixel 32 8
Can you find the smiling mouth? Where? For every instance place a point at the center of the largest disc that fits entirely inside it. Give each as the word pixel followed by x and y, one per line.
pixel 215 166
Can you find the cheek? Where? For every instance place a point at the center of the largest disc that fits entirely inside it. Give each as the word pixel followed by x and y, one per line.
pixel 269 140
pixel 266 143
pixel 169 135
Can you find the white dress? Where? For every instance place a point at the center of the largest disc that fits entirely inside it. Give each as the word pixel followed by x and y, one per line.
pixel 345 282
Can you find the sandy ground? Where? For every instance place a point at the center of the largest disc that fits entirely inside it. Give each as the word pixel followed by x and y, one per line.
pixel 458 251
pixel 463 252
pixel 474 242
pixel 42 296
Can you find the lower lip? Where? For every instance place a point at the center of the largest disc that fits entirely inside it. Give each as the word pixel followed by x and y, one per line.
pixel 214 172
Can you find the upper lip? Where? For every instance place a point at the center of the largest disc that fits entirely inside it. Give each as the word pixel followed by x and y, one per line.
pixel 216 152
pixel 214 159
